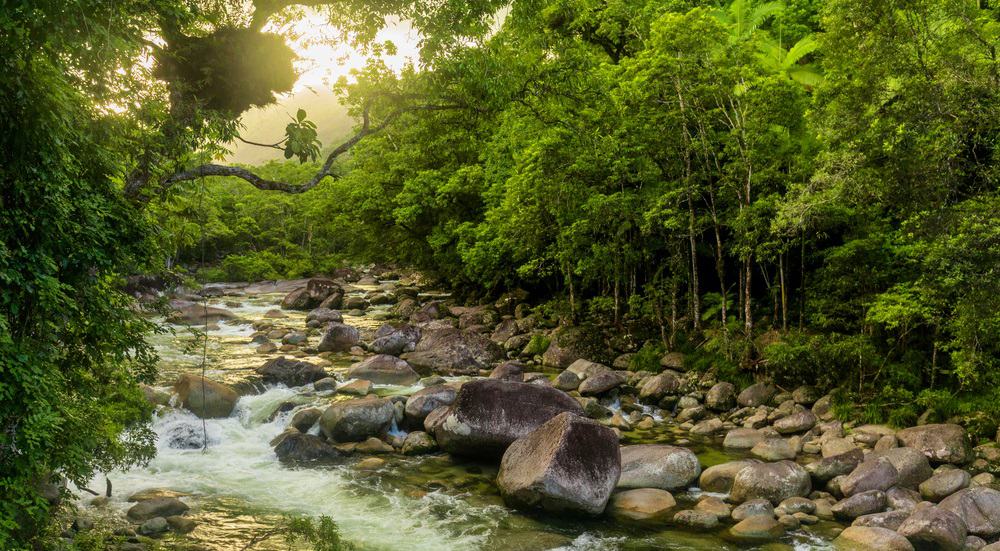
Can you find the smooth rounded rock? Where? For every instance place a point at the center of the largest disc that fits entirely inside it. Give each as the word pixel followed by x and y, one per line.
pixel 658 466
pixel 774 482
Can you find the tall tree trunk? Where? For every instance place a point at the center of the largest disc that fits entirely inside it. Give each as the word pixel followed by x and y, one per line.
pixel 748 286
pixel 784 293
pixel 695 291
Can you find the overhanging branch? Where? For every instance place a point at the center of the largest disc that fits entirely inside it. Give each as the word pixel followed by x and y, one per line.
pixel 253 179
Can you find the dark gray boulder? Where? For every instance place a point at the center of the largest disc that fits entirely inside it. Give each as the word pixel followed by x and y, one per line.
pixel 395 339
pixel 290 372
pixel 489 414
pixel 934 528
pixel 568 464
pixel 339 337
pixel 450 350
pixel 421 403
pixel 304 448
pixel 979 507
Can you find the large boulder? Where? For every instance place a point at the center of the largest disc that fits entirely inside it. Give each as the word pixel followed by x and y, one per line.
pixel 873 474
pixel 944 484
pixel 489 414
pixel 290 372
pixel 774 482
pixel 297 447
pixel 864 503
pixel 721 397
pixel 720 478
pixel 316 291
pixel 450 350
pixel 757 394
pixel 569 344
pixel 395 339
pixel 383 369
pixel 356 420
pixel 601 383
pixel 940 443
pixel 339 337
pixel 911 464
pixel 422 402
pixel 658 466
pixel 509 371
pixel 205 398
pixel 979 507
pixel 658 386
pixel 866 538
pixel 934 528
pixel 198 314
pixel 568 464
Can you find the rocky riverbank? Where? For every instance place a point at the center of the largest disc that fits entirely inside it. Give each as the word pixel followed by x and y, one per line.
pixel 572 433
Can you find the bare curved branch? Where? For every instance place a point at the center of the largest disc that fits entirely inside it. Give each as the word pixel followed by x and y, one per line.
pixel 247 175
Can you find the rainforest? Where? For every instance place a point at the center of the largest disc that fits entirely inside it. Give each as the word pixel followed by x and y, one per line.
pixel 574 274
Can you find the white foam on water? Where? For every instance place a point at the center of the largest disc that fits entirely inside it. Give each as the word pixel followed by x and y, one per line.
pixel 240 464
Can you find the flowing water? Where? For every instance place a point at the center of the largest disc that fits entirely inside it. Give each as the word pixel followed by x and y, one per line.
pixel 238 488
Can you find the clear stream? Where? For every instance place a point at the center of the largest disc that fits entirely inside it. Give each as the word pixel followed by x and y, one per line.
pixel 237 486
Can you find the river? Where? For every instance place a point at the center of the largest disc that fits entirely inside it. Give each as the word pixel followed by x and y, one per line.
pixel 237 487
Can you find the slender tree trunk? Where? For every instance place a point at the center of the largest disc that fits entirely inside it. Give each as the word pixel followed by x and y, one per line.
pixel 673 315
pixel 748 286
pixel 784 294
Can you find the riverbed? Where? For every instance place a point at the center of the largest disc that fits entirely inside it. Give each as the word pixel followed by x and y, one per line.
pixel 236 486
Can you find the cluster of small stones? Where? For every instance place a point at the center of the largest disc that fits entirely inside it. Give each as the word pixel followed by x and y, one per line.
pixel 922 487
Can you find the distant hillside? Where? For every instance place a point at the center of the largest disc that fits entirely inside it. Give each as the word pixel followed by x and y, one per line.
pixel 267 125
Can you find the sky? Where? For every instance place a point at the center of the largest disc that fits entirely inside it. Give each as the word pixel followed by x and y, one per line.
pixel 322 60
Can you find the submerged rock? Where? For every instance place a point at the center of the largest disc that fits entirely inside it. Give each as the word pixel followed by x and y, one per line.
pixel 489 414
pixel 568 464
pixel 157 507
pixel 204 397
pixel 199 314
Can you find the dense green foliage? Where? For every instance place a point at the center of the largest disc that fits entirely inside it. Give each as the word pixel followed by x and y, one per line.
pixel 71 347
pixel 807 190
pixel 99 101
